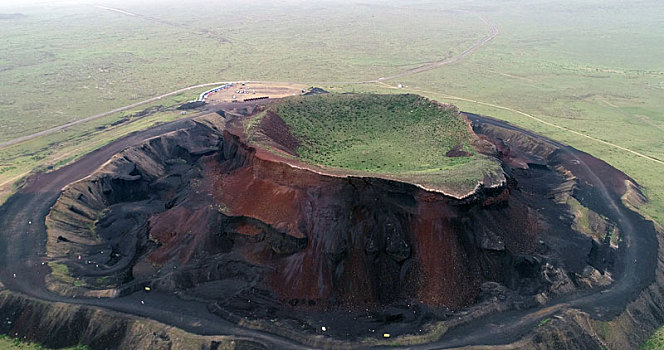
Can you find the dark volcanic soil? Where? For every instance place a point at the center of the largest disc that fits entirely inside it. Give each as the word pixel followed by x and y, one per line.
pixel 198 213
pixel 276 130
pixel 219 232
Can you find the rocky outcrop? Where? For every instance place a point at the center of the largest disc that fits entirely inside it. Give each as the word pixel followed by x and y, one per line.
pixel 98 227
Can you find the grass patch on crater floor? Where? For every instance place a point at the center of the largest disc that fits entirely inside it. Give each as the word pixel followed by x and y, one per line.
pixel 655 342
pixel 402 135
pixel 377 133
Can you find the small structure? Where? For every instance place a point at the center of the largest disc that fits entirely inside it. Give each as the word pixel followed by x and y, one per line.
pixel 256 98
pixel 400 86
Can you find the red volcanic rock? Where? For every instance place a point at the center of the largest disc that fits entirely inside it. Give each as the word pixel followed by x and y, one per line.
pixel 368 241
pixel 205 215
pixel 501 198
pixel 447 276
pixel 182 232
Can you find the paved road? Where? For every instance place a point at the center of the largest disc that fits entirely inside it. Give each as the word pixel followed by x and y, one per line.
pixel 23 237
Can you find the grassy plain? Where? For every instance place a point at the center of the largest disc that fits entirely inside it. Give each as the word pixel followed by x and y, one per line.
pixel 65 62
pixel 592 68
pixel 60 148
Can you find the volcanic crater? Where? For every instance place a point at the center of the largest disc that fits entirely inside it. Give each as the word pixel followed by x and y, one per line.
pixel 273 227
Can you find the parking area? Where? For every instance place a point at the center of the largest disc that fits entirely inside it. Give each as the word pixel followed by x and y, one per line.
pixel 250 91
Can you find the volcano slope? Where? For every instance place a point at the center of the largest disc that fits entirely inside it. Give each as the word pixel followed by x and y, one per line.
pixel 363 214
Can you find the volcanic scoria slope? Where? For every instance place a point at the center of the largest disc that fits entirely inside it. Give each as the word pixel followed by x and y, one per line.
pixel 240 213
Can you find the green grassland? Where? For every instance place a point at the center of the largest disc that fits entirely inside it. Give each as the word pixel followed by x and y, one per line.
pixel 66 62
pixel 588 70
pixel 375 133
pixel 55 150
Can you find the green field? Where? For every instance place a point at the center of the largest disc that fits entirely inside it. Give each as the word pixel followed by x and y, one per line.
pixel 588 73
pixel 65 62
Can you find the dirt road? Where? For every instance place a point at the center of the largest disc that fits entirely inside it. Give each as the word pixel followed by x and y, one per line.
pixel 101 115
pixel 199 31
pixel 639 254
pixel 494 31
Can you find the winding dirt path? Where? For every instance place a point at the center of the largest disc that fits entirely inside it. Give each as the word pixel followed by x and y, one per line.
pixel 198 31
pixel 494 31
